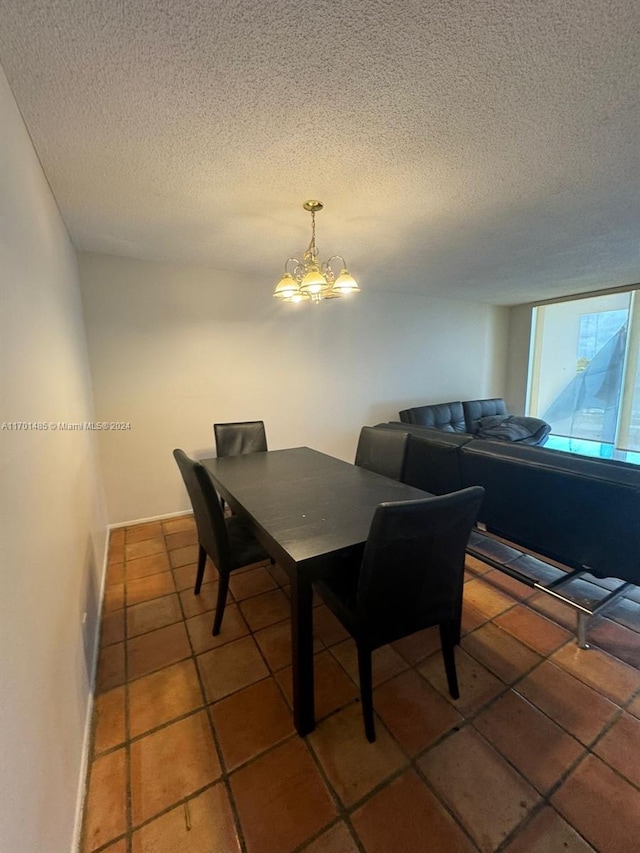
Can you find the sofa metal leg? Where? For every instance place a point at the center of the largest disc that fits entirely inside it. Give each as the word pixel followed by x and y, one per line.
pixel 583 620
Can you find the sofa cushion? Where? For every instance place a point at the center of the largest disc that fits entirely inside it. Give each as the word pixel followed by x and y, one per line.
pixel 513 428
pixel 448 417
pixel 473 410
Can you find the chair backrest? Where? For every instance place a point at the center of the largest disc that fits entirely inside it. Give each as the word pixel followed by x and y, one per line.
pixel 235 439
pixel 383 451
pixel 448 417
pixel 207 511
pixel 413 565
pixel 476 409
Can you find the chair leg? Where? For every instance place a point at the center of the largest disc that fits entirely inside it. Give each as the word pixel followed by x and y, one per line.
pixel 223 588
pixel 202 559
pixel 448 640
pixel 366 692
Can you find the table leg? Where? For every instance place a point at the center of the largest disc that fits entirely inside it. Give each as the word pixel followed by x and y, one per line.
pixel 302 654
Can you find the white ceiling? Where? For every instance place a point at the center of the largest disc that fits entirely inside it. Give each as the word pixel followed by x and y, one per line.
pixel 470 149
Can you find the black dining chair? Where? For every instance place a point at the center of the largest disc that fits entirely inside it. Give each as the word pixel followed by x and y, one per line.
pixel 383 451
pixel 225 540
pixel 234 439
pixel 411 577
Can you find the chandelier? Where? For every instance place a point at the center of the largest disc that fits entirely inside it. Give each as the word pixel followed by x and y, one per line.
pixel 308 279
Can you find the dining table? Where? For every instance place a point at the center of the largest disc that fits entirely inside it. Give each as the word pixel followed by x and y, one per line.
pixel 312 513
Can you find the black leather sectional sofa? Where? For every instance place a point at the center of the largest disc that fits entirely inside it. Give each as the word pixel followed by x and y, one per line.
pixel 487 418
pixel 579 511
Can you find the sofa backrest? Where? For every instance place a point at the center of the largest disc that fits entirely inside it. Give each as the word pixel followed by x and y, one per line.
pixel 433 461
pixel 580 511
pixel 473 410
pixel 448 417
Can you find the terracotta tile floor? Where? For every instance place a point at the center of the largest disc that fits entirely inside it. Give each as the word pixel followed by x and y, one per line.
pixel 194 749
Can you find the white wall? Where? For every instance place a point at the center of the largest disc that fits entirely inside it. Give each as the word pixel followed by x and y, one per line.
pixel 175 348
pixel 517 359
pixel 51 506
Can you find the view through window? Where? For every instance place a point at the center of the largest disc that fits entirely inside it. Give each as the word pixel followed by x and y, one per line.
pixel 584 378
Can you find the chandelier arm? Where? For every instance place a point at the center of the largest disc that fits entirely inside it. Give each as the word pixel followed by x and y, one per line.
pixel 297 265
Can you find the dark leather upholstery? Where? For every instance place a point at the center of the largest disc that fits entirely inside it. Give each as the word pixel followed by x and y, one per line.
pixel 582 512
pixel 475 409
pixel 410 578
pixel 448 417
pixel 234 439
pixel 433 461
pixel 225 540
pixel 382 451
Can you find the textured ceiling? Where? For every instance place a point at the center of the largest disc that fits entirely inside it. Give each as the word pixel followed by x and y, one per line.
pixel 471 149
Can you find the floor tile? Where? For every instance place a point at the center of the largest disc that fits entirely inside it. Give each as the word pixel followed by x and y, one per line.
pixel 117 536
pixel 386 662
pixel 626 611
pixel 486 598
pixel 231 667
pixel 170 764
pixel 614 679
pixel 555 610
pixel 112 629
pixel 113 598
pixel 620 747
pixel 581 711
pixel 516 589
pixel 634 707
pixel 183 556
pixel 109 720
pixel 157 649
pixel 476 684
pixel 406 816
pixel 247 584
pixel 154 614
pixel 603 807
pixel 275 644
pixel 332 686
pixel 471 618
pixel 178 524
pixel 203 824
pixel 338 839
pixel 501 653
pixel 116 847
pixel 205 602
pixel 106 802
pixel 199 628
pixel 251 721
pixel 163 696
pixel 547 832
pixel 185 576
pixel 147 588
pixel 540 634
pixel 144 566
pixel 114 574
pixel 266 609
pixel 138 532
pixel 281 799
pixel 181 539
pixel 484 792
pixel 539 749
pixel 473 564
pixel 420 645
pixel 353 765
pixel 279 574
pixel 110 668
pixel 144 548
pixel 327 627
pixel 617 640
pixel 413 711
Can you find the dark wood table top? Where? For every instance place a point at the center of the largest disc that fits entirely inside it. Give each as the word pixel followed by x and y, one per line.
pixel 304 505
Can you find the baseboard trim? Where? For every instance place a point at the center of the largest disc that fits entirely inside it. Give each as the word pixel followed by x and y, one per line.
pixel 86 738
pixel 150 519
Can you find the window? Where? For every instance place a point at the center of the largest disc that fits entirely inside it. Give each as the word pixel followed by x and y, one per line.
pixel 584 377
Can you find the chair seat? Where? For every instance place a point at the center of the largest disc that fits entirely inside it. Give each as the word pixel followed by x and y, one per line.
pixel 244 548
